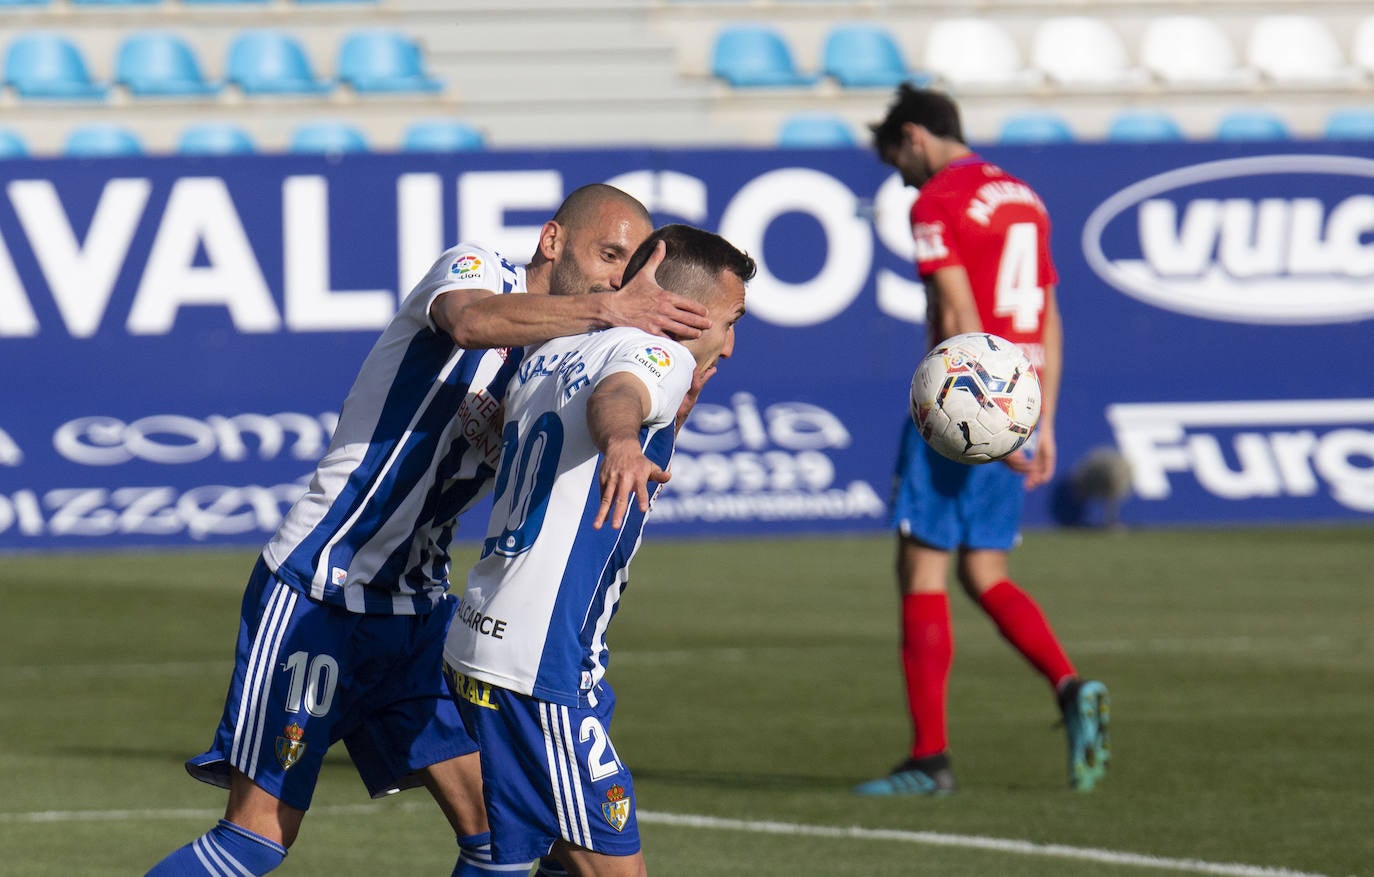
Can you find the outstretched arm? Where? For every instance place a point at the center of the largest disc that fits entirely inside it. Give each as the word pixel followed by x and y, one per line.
pixel 615 412
pixel 479 318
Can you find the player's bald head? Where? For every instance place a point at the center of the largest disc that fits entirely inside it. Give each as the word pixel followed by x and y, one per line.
pixel 586 244
pixel 585 206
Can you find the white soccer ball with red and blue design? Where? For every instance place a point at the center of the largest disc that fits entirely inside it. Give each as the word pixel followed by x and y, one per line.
pixel 975 398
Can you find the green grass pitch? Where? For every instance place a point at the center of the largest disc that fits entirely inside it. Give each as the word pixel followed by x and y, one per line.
pixel 758 680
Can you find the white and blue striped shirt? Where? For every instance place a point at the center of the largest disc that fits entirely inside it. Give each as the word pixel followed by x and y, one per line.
pixel 534 616
pixel 416 445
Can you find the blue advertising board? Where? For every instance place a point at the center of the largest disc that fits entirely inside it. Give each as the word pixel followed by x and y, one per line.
pixel 177 334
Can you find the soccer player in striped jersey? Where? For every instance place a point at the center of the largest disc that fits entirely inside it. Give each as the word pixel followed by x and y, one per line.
pixel 590 423
pixel 344 617
pixel 982 248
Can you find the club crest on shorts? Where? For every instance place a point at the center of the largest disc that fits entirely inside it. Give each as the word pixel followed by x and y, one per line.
pixel 617 807
pixel 289 745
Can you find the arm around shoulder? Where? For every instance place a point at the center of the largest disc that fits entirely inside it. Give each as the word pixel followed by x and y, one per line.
pixel 479 318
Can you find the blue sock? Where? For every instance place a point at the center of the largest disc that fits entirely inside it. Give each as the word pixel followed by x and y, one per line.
pixel 224 851
pixel 474 859
pixel 551 867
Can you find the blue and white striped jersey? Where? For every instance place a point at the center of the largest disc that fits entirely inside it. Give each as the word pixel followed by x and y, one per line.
pixel 534 616
pixel 417 444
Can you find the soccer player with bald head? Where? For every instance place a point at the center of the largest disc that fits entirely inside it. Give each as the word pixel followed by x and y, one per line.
pixel 344 616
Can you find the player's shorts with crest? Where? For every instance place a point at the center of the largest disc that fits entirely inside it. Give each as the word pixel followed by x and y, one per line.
pixel 549 772
pixel 307 674
pixel 949 505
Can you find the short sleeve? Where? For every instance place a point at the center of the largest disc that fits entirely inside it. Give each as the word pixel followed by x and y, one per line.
pixel 664 366
pixel 466 266
pixel 933 228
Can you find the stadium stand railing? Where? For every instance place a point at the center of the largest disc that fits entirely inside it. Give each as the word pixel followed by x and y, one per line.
pixel 640 71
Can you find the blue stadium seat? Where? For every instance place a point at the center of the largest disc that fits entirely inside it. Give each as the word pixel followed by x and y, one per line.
pixel 4 3
pixel 383 61
pixel 863 56
pixel 271 62
pixel 442 135
pixel 1035 127
pixel 1350 124
pixel 102 140
pixel 48 65
pixel 328 137
pixel 1144 126
pixel 12 145
pixel 215 138
pixel 157 64
pixel 1252 125
pixel 754 56
pixel 815 131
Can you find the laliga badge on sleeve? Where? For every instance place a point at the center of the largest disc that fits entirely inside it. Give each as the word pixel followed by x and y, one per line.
pixel 656 360
pixel 466 267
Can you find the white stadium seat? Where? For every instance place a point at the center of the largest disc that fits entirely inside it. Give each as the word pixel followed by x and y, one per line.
pixel 1362 53
pixel 1077 50
pixel 1298 50
pixel 1192 51
pixel 975 52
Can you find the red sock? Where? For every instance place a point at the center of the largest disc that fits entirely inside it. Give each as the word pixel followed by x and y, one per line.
pixel 1024 626
pixel 927 653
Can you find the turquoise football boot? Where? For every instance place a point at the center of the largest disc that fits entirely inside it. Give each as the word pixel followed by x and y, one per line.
pixel 925 776
pixel 1087 715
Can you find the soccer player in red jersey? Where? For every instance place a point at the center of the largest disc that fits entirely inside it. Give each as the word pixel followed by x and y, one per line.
pixel 982 249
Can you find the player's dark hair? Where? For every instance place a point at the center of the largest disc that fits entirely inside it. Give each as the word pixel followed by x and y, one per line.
pixel 693 260
pixel 933 110
pixel 582 204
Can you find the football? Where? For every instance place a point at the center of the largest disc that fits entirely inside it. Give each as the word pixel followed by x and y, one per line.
pixel 975 398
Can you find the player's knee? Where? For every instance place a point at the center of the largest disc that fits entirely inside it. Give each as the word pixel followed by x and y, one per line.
pixel 585 863
pixel 256 810
pixel 456 784
pixel 971 587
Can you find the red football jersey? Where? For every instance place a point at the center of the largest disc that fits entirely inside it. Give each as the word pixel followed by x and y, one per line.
pixel 976 215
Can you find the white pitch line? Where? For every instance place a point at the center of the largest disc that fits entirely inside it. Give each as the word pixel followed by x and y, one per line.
pixel 715 823
pixel 970 841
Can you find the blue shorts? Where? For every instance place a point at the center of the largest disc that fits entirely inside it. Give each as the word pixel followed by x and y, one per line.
pixel 307 674
pixel 548 772
pixel 951 505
